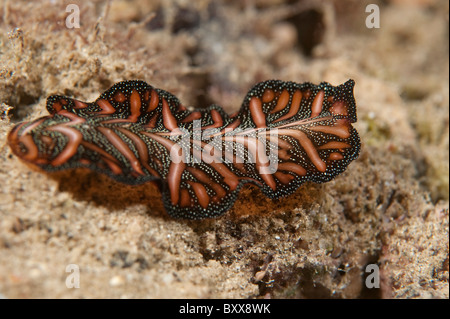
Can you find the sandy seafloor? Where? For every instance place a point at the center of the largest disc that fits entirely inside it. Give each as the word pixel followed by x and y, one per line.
pixel 389 208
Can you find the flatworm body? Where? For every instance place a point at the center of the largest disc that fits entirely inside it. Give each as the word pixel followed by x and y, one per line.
pixel 284 135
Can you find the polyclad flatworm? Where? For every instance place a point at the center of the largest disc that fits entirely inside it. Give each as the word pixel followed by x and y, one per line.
pixel 285 134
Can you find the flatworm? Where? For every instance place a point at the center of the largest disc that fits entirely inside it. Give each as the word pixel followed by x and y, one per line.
pixel 285 134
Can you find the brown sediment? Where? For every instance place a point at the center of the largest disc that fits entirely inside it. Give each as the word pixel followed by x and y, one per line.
pixel 389 208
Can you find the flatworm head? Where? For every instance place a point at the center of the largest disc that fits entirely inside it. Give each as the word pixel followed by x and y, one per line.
pixel 285 134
